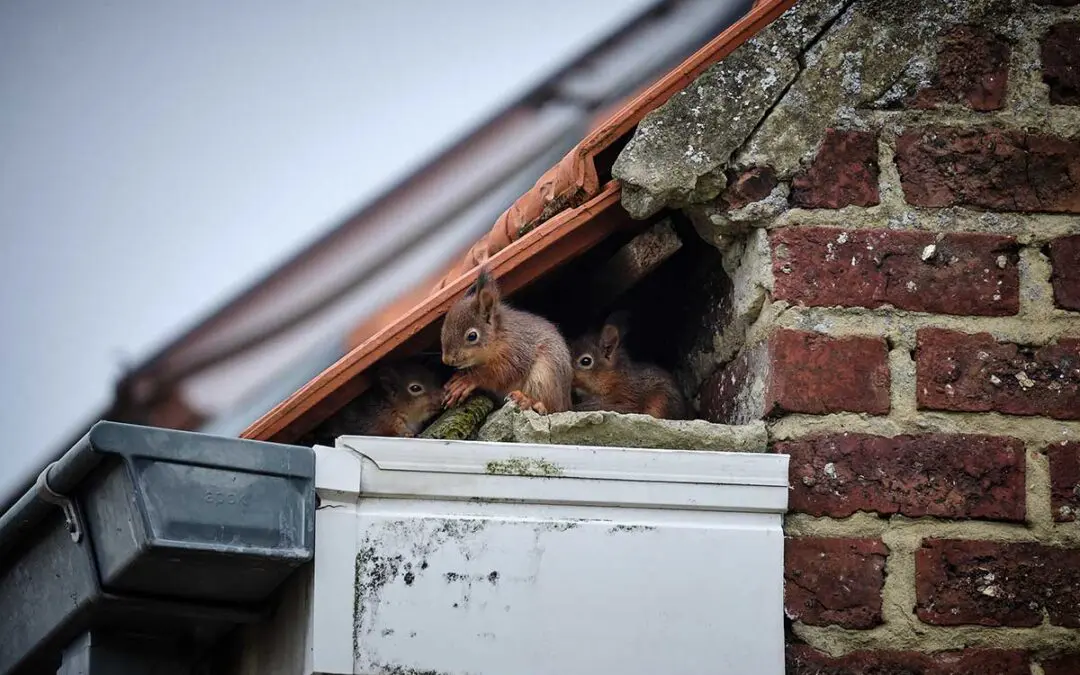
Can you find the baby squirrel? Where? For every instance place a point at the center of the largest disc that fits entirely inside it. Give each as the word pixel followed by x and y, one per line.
pixel 404 397
pixel 607 379
pixel 506 351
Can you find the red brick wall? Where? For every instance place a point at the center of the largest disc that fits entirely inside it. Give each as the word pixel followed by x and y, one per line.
pixel 919 360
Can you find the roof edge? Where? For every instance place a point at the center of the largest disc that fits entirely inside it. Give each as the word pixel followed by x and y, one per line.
pixel 546 222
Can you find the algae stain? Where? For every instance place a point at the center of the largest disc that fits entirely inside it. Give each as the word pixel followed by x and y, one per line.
pixel 524 466
pixel 372 573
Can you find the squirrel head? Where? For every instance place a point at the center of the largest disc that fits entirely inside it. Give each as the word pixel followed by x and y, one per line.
pixel 598 356
pixel 471 327
pixel 413 390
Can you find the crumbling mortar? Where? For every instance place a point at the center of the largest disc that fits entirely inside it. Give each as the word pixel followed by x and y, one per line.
pixel 1038 326
pixel 1061 123
pixel 890 190
pixel 902 377
pixel 1036 432
pixel 1036 291
pixel 1037 487
pixel 1029 228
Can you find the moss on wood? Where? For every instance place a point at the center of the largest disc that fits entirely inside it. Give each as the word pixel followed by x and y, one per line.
pixel 462 422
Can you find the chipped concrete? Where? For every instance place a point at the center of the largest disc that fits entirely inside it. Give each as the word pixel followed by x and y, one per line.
pixel 823 64
pixel 510 424
pixel 678 153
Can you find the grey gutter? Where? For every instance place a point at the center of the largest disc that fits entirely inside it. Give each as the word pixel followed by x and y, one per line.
pixel 169 535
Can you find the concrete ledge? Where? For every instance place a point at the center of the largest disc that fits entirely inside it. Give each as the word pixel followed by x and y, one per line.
pixel 509 424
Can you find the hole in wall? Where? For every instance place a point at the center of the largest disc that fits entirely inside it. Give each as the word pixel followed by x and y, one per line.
pixel 675 309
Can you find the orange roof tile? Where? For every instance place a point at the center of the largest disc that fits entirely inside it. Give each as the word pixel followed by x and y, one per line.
pixel 564 214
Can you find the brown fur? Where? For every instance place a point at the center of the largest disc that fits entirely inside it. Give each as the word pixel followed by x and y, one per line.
pixel 614 382
pixel 389 408
pixel 516 354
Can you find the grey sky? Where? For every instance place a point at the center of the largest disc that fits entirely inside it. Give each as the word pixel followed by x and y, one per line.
pixel 156 156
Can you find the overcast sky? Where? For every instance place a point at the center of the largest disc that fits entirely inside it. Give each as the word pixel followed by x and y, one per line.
pixel 157 156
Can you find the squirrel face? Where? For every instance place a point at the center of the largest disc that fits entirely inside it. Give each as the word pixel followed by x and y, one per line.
pixel 413 390
pixel 471 326
pixel 597 356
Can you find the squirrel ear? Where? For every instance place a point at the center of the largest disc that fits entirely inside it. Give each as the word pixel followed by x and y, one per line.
pixel 487 294
pixel 609 340
pixel 620 320
pixel 387 377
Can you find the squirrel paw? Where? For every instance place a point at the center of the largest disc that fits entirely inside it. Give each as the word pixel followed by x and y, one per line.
pixel 523 401
pixel 457 390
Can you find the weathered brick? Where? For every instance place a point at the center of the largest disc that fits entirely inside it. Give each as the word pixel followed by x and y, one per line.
pixel 844 173
pixel 1065 480
pixel 943 475
pixel 1065 259
pixel 805 660
pixel 989 583
pixel 834 581
pixel 800 372
pixel 751 185
pixel 1061 62
pixel 972 68
pixel 989 168
pixel 1066 664
pixel 974 274
pixel 818 374
pixel 975 373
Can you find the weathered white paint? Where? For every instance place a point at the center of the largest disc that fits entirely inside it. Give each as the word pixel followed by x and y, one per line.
pixel 628 561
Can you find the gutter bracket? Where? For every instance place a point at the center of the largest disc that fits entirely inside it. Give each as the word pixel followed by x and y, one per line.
pixel 71 510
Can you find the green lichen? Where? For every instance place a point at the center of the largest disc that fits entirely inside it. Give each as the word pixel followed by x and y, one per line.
pixel 462 422
pixel 524 466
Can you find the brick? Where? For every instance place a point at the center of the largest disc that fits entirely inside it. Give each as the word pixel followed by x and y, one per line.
pixel 941 475
pixel 844 173
pixel 1065 480
pixel 1065 259
pixel 972 68
pixel 975 373
pixel 834 581
pixel 1061 62
pixel 1068 664
pixel 749 186
pixel 799 372
pixel 988 583
pixel 996 169
pixel 817 374
pixel 968 274
pixel 805 660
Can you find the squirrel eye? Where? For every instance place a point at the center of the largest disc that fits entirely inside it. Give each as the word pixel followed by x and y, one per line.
pixel 473 335
pixel 585 361
pixel 416 388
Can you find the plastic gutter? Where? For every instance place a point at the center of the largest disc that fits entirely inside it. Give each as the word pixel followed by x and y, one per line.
pixel 171 536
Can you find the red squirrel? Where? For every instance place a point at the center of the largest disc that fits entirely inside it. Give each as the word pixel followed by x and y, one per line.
pixel 506 351
pixel 403 398
pixel 606 378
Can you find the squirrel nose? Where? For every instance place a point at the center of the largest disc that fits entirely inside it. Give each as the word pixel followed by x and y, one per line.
pixel 447 360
